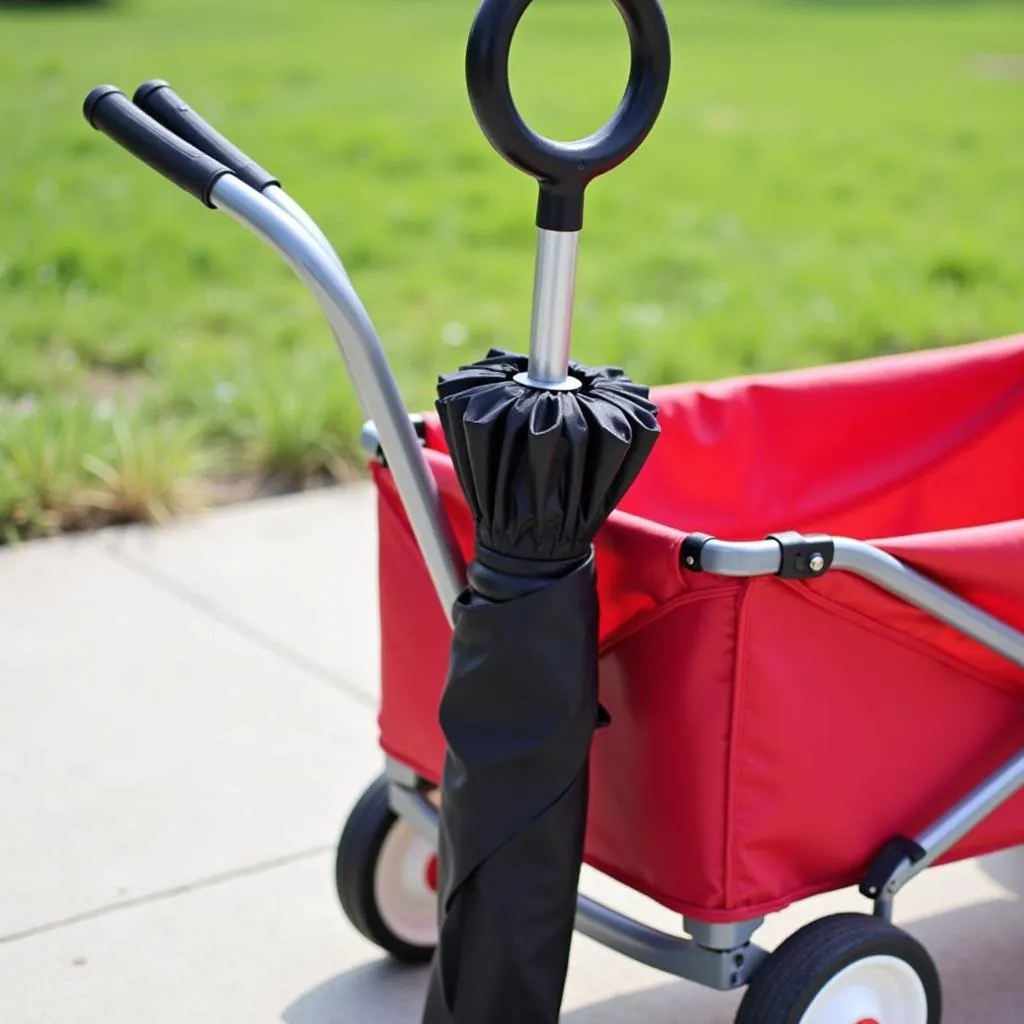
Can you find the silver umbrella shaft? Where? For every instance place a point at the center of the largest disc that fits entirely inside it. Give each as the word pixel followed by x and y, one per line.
pixel 554 287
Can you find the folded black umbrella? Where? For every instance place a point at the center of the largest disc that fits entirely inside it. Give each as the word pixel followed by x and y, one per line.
pixel 541 471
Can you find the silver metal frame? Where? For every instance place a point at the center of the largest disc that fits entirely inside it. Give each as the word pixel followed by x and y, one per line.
pixel 720 956
pixel 764 558
pixel 281 223
pixel 944 834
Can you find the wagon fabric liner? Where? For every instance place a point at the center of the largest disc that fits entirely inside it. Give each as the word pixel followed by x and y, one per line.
pixel 769 736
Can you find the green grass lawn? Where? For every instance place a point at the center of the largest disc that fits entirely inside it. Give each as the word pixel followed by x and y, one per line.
pixel 828 180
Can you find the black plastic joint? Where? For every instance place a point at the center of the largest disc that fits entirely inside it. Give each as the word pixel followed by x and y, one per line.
pixel 886 862
pixel 419 425
pixel 559 209
pixel 693 545
pixel 804 557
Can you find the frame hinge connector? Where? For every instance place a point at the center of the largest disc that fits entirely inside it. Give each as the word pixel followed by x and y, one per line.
pixel 804 557
pixel 886 863
pixel 693 545
pixel 370 439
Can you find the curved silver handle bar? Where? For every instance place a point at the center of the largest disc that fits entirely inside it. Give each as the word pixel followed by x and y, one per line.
pixel 764 558
pixel 282 224
pixel 284 202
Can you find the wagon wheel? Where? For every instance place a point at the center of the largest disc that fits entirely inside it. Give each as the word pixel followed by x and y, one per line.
pixel 845 969
pixel 386 875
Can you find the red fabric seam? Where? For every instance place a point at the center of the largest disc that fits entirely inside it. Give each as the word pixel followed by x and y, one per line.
pixel 914 644
pixel 645 619
pixel 735 718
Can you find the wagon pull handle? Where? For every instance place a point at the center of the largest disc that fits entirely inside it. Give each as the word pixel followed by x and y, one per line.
pixel 108 110
pixel 157 99
pixel 165 106
pixel 563 170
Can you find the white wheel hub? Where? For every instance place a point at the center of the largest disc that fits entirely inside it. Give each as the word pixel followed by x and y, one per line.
pixel 405 886
pixel 875 990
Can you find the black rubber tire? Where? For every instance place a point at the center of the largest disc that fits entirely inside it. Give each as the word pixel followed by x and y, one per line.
pixel 368 825
pixel 785 985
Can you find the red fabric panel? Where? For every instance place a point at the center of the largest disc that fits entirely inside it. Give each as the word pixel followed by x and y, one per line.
pixel 768 736
pixel 884 447
pixel 656 785
pixel 414 640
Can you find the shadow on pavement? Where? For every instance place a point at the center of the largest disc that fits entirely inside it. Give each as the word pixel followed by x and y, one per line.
pixel 1006 869
pixel 976 949
pixel 380 992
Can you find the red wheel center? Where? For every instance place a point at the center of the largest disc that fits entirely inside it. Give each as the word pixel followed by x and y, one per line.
pixel 432 885
pixel 868 1020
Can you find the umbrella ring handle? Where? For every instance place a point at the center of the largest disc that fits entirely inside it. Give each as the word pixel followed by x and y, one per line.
pixel 564 169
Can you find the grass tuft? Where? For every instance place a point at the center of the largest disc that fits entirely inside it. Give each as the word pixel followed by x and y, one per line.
pixel 145 471
pixel 296 423
pixel 67 465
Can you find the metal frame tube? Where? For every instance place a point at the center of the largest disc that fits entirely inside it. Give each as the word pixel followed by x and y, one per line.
pixel 722 969
pixel 722 957
pixel 741 558
pixel 284 202
pixel 892 575
pixel 364 357
pixel 764 558
pixel 974 807
pixel 941 836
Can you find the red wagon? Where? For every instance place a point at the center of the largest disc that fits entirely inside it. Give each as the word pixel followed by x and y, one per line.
pixel 823 686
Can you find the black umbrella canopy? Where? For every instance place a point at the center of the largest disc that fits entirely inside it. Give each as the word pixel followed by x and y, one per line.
pixel 541 470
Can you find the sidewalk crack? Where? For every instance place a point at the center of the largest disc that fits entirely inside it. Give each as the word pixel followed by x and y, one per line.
pixel 161 895
pixel 294 658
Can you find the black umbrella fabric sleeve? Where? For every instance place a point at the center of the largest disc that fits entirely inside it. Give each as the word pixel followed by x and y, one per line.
pixel 518 713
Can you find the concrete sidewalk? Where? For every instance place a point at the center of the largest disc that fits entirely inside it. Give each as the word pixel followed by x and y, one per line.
pixel 186 716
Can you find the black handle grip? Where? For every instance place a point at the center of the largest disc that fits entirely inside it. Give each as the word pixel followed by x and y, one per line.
pixel 108 110
pixel 564 169
pixel 163 104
